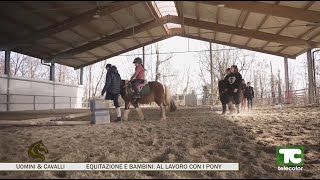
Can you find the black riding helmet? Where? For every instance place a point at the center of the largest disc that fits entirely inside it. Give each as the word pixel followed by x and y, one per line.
pixel 137 60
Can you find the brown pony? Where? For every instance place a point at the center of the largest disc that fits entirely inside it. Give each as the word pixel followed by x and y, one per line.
pixel 158 93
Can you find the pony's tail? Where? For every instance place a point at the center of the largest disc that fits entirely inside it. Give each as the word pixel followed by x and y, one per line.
pixel 168 99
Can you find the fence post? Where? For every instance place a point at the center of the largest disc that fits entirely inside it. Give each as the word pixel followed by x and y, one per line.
pixel 70 102
pixel 34 102
pixel 54 102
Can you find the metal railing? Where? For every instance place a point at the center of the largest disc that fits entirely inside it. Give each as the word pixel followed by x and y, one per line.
pixel 295 97
pixel 35 102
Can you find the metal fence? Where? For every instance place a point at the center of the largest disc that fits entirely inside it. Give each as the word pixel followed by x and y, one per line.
pixel 34 101
pixel 295 97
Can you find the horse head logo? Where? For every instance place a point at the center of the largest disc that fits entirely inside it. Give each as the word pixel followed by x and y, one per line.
pixel 232 80
pixel 35 149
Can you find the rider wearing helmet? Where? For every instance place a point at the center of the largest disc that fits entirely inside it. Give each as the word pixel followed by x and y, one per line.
pixel 138 76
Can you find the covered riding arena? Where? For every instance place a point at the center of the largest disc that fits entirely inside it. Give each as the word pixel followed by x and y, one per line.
pixel 63 32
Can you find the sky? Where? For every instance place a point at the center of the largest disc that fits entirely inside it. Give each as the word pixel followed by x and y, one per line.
pixel 181 60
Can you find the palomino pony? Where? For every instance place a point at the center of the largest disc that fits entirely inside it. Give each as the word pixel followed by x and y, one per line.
pixel 157 93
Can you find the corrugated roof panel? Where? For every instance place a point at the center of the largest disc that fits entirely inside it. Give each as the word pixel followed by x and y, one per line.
pixel 104 25
pixel 229 16
pixel 83 54
pixel 223 36
pixel 142 37
pixel 20 14
pixel 142 12
pixel 295 4
pixel 31 51
pixel 295 31
pixel 274 24
pixel 85 32
pixel 207 34
pixel 239 40
pixel 70 37
pixel 129 41
pixel 51 10
pixel 188 9
pixel 273 47
pixel 13 29
pixel 191 30
pixel 75 7
pixel 114 47
pixel 315 6
pixel 269 2
pixel 292 50
pixel 157 31
pixel 208 13
pixel 309 35
pixel 99 51
pixel 253 20
pixel 53 44
pixel 317 38
pixel 256 43
pixel 124 19
pixel 74 62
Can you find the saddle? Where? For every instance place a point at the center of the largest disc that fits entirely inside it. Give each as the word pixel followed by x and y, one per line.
pixel 143 88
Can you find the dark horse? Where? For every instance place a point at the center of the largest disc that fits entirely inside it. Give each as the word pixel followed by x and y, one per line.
pixel 158 93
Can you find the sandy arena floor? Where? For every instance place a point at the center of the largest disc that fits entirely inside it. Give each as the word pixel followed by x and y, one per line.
pixel 190 135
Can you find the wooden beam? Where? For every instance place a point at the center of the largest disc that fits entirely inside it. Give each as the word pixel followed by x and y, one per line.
pixel 69 23
pixel 123 51
pixel 109 39
pixel 152 10
pixel 244 32
pixel 314 36
pixel 270 9
pixel 138 20
pixel 237 46
pixel 261 24
pixel 155 12
pixel 122 29
pixel 241 21
pixel 180 12
pixel 258 28
pixel 291 21
pixel 197 15
pixel 86 26
pixel 46 17
pixel 218 15
pixel 45 50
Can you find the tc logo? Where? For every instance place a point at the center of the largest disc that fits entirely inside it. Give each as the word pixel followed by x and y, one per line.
pixel 290 155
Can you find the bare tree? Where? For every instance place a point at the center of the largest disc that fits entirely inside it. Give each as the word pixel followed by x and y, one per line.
pixel 99 77
pixel 222 57
pixel 17 64
pixel 159 62
pixel 273 87
pixel 1 62
pixel 279 88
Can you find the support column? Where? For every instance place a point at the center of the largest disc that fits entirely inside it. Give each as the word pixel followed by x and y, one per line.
pixel 81 76
pixel 52 72
pixel 211 73
pixel 7 71
pixel 143 55
pixel 7 62
pixel 310 77
pixel 286 76
pixel 52 78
